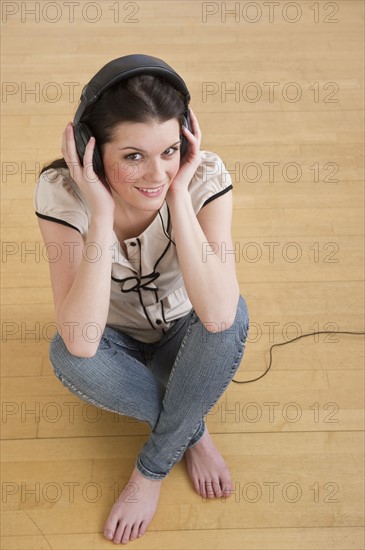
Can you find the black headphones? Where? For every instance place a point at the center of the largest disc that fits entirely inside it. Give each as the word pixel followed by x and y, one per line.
pixel 116 71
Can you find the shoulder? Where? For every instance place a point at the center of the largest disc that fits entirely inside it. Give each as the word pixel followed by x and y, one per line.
pixel 210 180
pixel 58 198
pixel 58 182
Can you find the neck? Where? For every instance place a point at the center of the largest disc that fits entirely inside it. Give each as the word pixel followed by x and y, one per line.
pixel 129 220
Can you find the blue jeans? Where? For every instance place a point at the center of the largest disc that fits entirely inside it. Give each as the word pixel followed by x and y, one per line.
pixel 171 384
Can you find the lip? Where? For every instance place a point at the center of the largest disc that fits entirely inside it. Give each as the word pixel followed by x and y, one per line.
pixel 157 193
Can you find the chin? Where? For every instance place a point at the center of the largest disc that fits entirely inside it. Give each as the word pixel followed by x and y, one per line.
pixel 156 206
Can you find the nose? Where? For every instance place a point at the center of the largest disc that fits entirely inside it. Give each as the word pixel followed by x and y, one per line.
pixel 154 172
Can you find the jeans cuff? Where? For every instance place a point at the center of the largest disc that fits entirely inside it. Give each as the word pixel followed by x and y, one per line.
pixel 147 473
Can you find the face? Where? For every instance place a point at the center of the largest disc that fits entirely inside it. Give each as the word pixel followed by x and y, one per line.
pixel 141 162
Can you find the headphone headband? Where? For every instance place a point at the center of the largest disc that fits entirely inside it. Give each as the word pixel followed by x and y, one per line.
pixel 123 68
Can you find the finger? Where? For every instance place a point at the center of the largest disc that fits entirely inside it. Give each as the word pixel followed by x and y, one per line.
pixel 71 145
pixel 88 170
pixel 69 151
pixel 65 148
pixel 190 134
pixel 194 140
pixel 66 133
pixel 64 141
pixel 85 169
pixel 194 123
pixel 192 116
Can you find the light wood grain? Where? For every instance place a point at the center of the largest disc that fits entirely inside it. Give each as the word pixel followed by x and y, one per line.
pixel 300 428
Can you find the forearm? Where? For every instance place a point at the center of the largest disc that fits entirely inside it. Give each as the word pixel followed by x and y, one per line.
pixel 84 311
pixel 212 289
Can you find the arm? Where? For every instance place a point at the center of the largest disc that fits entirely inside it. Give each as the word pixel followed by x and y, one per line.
pixel 209 275
pixel 81 287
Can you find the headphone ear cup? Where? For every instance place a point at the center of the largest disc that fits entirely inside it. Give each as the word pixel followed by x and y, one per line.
pixel 82 137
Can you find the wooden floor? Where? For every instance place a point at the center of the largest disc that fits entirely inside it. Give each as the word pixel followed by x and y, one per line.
pixel 294 439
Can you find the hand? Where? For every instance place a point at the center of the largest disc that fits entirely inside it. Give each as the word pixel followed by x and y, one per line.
pixel 188 167
pixel 97 193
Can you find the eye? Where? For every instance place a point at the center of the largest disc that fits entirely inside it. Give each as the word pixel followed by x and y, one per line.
pixel 169 152
pixel 131 156
pixel 172 149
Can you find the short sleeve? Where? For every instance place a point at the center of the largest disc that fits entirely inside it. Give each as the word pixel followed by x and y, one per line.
pixel 210 181
pixel 57 199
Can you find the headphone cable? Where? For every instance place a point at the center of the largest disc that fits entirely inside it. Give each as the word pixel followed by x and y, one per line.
pixel 289 342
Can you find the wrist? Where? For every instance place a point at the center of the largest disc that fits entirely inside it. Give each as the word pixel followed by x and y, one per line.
pixel 177 198
pixel 105 220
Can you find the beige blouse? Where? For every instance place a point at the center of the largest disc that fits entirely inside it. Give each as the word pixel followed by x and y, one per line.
pixel 147 288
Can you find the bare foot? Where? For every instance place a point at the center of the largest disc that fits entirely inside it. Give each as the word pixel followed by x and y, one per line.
pixel 134 509
pixel 207 469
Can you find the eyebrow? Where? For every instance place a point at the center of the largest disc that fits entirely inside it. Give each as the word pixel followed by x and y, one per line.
pixel 142 150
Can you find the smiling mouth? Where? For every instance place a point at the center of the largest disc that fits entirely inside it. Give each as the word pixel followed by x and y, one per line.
pixel 151 191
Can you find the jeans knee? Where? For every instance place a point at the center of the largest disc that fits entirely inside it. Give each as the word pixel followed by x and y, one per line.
pixel 54 348
pixel 241 322
pixel 243 317
pixel 61 359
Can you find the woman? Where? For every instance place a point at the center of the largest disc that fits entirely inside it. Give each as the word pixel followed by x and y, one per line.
pixel 151 323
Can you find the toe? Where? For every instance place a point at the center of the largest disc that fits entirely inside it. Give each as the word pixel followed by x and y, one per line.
pixel 209 489
pixel 142 528
pixel 217 488
pixel 110 526
pixel 196 486
pixel 203 490
pixel 134 531
pixel 119 533
pixel 226 485
pixel 108 534
pixel 126 534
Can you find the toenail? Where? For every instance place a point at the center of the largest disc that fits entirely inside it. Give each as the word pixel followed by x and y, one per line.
pixel 108 534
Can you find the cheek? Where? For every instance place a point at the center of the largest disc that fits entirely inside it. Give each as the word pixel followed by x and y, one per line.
pixel 123 173
pixel 175 167
pixel 129 173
